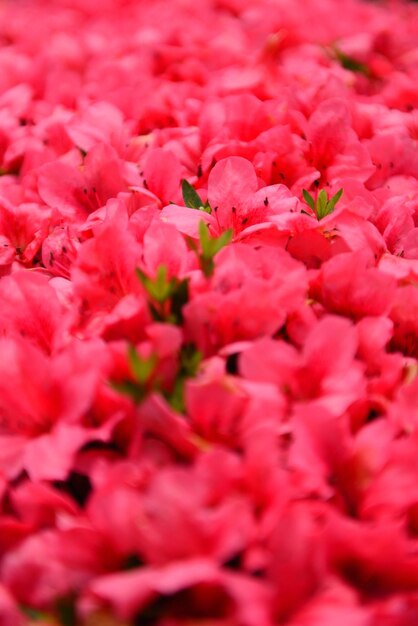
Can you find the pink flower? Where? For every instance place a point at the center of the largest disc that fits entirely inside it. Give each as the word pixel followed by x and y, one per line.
pixel 165 181
pixel 106 288
pixel 337 602
pixel 58 391
pixel 40 505
pixel 10 615
pixel 77 191
pixel 256 296
pixel 30 309
pixel 350 285
pixel 57 563
pixel 59 251
pixel 236 199
pixel 219 420
pixel 333 148
pixel 195 588
pixel 324 375
pixel 197 427
pixel 296 564
pixel 22 228
pixel 209 519
pixel 393 154
pixel 175 257
pixel 403 315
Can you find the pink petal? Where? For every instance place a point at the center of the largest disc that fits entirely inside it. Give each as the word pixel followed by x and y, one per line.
pixel 230 183
pixel 186 220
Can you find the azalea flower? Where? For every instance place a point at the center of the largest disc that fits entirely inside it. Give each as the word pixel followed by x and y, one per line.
pixel 208 313
pixel 236 202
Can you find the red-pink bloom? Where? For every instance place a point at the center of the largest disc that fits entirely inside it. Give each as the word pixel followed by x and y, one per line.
pixel 195 588
pixel 333 147
pixel 402 410
pixel 10 615
pixel 210 518
pixel 156 421
pixel 162 175
pixel 22 230
pixel 395 221
pixel 217 419
pixel 225 436
pixel 175 257
pixel 30 309
pixel 97 123
pixel 393 154
pixel 390 491
pixel 374 558
pixel 57 563
pixel 337 603
pixel 59 251
pixel 349 284
pixel 384 371
pixel 296 560
pixel 248 296
pixel 325 374
pixel 42 427
pixel 404 316
pixel 41 506
pixel 106 288
pixel 237 201
pixel 77 191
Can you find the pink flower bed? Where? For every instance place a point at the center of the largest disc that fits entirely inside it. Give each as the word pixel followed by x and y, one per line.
pixel 208 313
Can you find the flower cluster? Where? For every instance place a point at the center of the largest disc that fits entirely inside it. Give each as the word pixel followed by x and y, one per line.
pixel 208 313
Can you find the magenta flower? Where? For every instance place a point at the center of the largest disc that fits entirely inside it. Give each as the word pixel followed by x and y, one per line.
pixel 208 313
pixel 236 202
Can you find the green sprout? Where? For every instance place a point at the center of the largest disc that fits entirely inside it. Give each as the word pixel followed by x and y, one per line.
pixel 189 363
pixel 166 296
pixel 192 199
pixel 142 370
pixel 209 247
pixel 349 63
pixel 322 205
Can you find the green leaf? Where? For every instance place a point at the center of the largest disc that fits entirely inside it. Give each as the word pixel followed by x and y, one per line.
pixel 176 397
pixel 129 389
pixel 190 196
pixel 350 63
pixel 66 611
pixel 132 561
pixel 308 199
pixel 167 296
pixel 331 203
pixel 321 204
pixel 163 287
pixel 190 359
pixel 206 207
pixel 142 369
pixel 210 246
pixel 34 614
pixel 160 288
pixel 192 244
pixel 179 299
pixel 204 239
pixel 222 241
pixel 145 280
pixel 192 199
pixel 411 372
pixel 189 363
